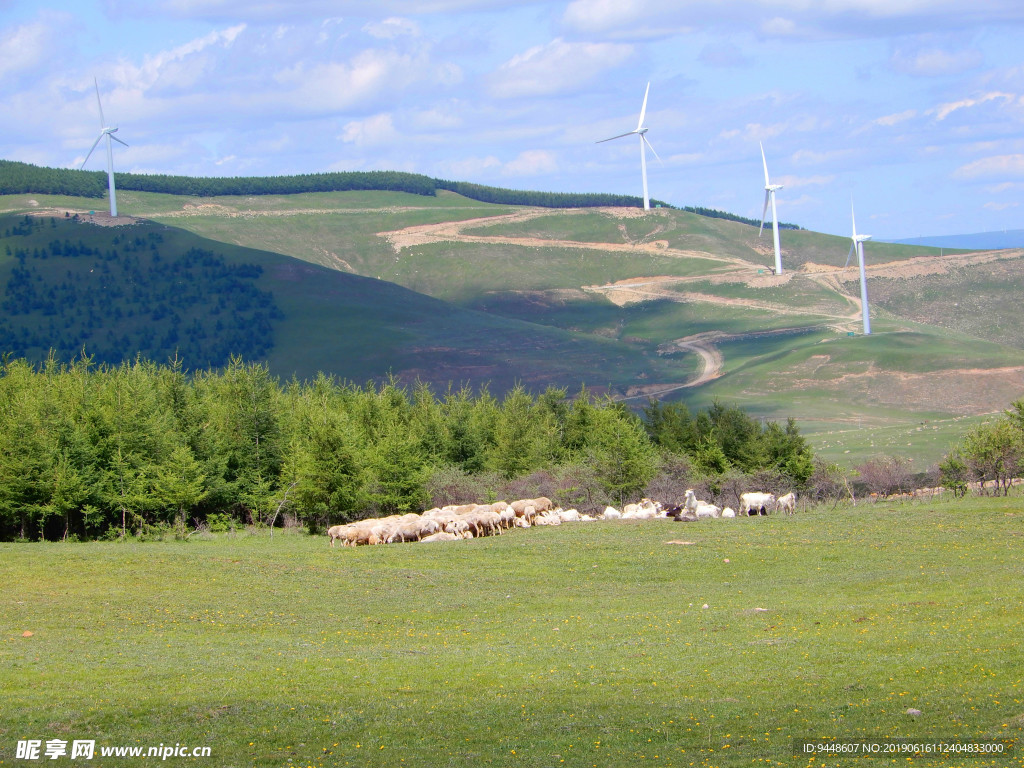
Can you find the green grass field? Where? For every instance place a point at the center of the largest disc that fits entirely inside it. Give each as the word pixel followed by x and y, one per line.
pixel 585 645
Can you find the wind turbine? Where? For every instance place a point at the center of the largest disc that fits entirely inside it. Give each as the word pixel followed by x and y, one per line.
pixel 769 196
pixel 858 246
pixel 109 132
pixel 640 131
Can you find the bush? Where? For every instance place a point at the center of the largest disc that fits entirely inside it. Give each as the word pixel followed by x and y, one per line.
pixel 220 522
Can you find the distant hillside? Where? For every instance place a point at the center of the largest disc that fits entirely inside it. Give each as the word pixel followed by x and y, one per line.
pixel 146 289
pixel 21 178
pixel 664 304
pixel 981 241
pixel 24 178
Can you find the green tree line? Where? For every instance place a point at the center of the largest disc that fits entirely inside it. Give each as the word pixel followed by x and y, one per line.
pixel 21 178
pixel 94 451
pixel 24 178
pixel 714 213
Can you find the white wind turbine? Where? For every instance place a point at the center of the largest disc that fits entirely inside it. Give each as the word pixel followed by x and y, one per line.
pixel 640 131
pixel 858 246
pixel 769 196
pixel 109 132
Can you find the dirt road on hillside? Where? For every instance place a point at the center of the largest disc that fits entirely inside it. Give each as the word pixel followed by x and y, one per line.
pixel 454 232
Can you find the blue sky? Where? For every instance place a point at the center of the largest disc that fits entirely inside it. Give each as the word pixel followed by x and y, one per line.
pixel 914 108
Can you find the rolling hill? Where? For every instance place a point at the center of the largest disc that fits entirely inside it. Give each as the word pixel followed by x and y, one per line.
pixel 668 304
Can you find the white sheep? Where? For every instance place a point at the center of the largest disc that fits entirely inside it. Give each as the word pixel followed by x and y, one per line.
pixel 701 509
pixel 611 513
pixel 440 536
pixel 752 503
pixel 787 503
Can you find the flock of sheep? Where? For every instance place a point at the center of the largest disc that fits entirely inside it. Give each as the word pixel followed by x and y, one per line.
pixel 467 521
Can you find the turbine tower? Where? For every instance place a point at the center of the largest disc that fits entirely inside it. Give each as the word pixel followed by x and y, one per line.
pixel 769 196
pixel 858 246
pixel 640 131
pixel 109 132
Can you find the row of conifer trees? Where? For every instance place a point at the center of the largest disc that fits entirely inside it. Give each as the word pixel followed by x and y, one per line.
pixel 93 451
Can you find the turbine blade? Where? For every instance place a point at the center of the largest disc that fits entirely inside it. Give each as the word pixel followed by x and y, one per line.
pixel 91 150
pixel 103 120
pixel 765 162
pixel 117 139
pixel 650 147
pixel 853 219
pixel 850 254
pixel 602 141
pixel 643 109
pixel 767 196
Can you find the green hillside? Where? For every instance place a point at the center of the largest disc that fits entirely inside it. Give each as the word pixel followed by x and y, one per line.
pixel 115 292
pixel 668 304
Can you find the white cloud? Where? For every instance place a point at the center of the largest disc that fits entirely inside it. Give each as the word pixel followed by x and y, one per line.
pixel 378 129
pixel 779 27
pixel 180 67
pixel 996 166
pixel 604 15
pixel 531 162
pixel 934 62
pixel 814 157
pixel 437 118
pixel 556 67
pixel 369 76
pixel 888 121
pixel 785 18
pixel 943 111
pixel 26 46
pixel 392 27
pixel 1000 206
pixel 795 182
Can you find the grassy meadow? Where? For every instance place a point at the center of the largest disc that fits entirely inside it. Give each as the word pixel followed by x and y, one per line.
pixel 602 644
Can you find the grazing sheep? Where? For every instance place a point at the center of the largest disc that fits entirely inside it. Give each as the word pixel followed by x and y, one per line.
pixel 334 532
pixel 787 503
pixel 705 510
pixel 645 510
pixel 548 518
pixel 457 526
pixel 755 503
pixel 611 513
pixel 728 512
pixel 360 532
pixel 406 530
pixel 440 536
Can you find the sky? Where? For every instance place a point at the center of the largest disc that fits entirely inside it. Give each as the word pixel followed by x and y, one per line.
pixel 911 110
